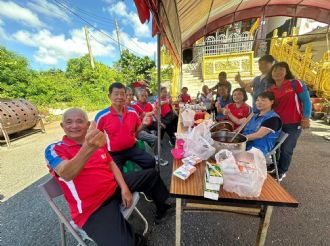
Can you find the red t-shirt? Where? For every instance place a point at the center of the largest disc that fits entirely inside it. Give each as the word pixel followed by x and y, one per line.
pixel 147 107
pixel 144 108
pixel 185 98
pixel 287 104
pixel 240 113
pixel 120 130
pixel 138 110
pixel 166 107
pixel 95 183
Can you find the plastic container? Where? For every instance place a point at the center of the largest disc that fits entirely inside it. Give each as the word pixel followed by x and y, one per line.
pixel 177 153
pixel 179 143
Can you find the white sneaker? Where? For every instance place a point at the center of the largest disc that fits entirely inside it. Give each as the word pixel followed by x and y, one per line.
pixel 163 162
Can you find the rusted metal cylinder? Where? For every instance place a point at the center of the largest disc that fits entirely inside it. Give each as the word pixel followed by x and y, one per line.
pixel 17 115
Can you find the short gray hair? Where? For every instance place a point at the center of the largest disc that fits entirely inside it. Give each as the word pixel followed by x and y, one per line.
pixel 74 110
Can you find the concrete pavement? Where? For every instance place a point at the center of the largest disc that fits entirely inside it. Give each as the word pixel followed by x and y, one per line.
pixel 26 218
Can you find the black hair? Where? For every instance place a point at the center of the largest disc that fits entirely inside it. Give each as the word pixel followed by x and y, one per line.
pixel 245 97
pixel 222 74
pixel 288 75
pixel 128 89
pixel 268 94
pixel 267 58
pixel 163 88
pixel 117 85
pixel 184 88
pixel 223 85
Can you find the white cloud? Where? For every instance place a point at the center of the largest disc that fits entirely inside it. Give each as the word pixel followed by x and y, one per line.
pixel 53 48
pixel 49 9
pixel 3 34
pixel 131 18
pixel 15 12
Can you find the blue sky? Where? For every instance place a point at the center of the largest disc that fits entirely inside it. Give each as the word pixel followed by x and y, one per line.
pixel 48 33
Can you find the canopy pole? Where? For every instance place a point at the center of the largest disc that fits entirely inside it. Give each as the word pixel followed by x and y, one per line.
pixel 158 89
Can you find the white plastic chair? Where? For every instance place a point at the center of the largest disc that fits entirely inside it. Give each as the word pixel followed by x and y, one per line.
pixel 272 154
pixel 51 190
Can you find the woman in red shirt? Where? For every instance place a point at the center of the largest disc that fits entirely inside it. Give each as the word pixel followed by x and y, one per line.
pixel 292 104
pixel 184 96
pixel 238 109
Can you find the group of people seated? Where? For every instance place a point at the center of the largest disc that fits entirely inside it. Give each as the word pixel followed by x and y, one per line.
pixel 280 103
pixel 88 162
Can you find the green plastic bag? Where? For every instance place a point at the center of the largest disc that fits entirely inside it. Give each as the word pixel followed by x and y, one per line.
pixel 131 166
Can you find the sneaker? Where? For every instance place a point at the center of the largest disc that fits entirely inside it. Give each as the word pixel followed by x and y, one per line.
pixel 163 162
pixel 172 144
pixel 271 168
pixel 281 176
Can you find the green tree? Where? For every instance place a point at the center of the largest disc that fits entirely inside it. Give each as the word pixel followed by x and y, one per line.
pixel 14 74
pixel 132 68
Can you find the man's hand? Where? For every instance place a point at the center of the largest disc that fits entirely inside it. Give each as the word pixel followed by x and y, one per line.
pixel 126 197
pixel 226 111
pixel 147 119
pixel 305 123
pixel 238 77
pixel 94 137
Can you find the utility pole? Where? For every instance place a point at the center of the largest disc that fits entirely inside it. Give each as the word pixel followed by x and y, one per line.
pixel 117 32
pixel 89 47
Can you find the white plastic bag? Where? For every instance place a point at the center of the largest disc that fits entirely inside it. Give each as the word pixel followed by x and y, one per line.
pixel 202 130
pixel 188 117
pixel 244 172
pixel 198 146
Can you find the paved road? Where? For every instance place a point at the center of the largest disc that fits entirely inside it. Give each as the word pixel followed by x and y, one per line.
pixel 26 219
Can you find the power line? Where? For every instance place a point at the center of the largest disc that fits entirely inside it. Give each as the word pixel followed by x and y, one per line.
pixel 99 19
pixel 89 13
pixel 90 24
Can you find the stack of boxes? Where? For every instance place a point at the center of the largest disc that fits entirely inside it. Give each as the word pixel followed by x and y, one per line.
pixel 213 181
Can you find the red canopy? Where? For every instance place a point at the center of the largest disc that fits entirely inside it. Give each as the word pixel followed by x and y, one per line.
pixel 185 21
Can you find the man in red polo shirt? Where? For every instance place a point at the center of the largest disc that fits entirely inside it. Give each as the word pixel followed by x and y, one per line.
pixel 121 124
pixel 92 184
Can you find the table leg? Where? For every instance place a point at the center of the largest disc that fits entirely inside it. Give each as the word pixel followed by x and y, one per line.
pixel 178 222
pixel 263 226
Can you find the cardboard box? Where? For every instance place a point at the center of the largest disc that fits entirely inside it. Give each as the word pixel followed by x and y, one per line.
pixel 192 160
pixel 213 173
pixel 211 194
pixel 184 171
pixel 212 182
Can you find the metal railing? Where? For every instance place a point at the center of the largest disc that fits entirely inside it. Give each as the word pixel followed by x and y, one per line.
pixel 222 44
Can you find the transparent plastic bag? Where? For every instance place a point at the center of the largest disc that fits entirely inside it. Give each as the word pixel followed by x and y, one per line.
pixel 198 146
pixel 202 130
pixel 188 117
pixel 244 172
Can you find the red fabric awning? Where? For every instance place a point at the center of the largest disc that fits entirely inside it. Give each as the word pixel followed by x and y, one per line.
pixel 185 21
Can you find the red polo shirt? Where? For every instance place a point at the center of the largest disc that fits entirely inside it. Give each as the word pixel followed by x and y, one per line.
pixel 166 107
pixel 185 98
pixel 119 129
pixel 287 104
pixel 143 108
pixel 138 109
pixel 147 107
pixel 87 191
pixel 240 113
